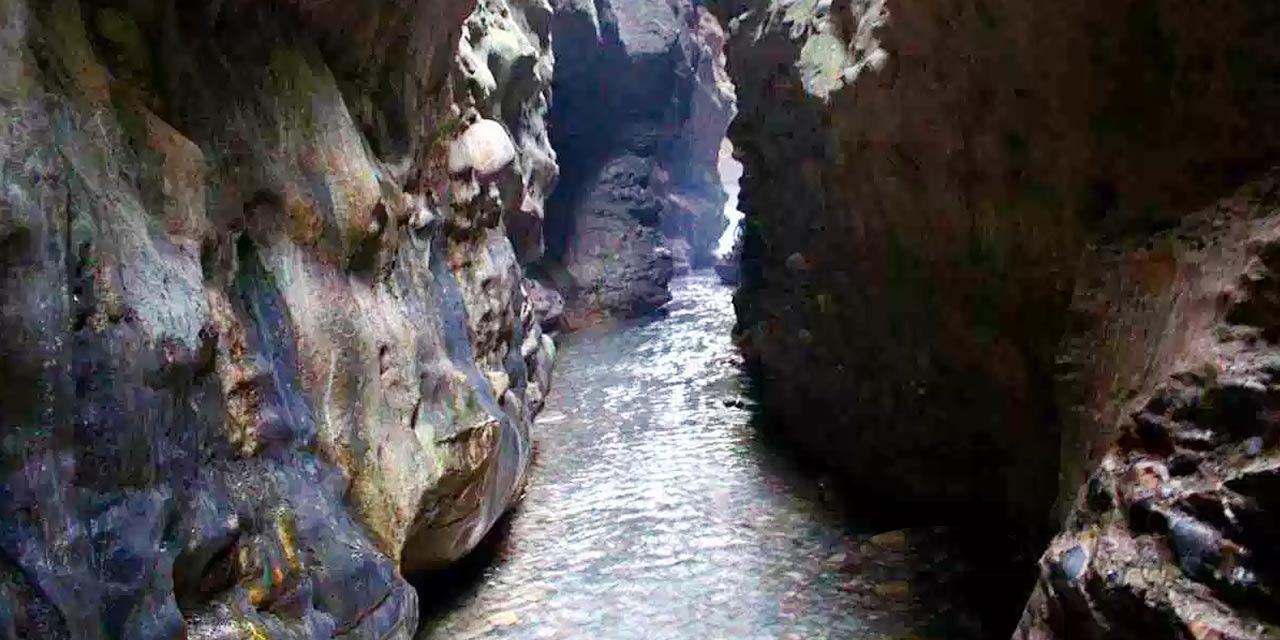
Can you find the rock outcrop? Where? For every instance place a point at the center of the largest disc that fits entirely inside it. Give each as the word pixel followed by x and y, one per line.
pixel 934 194
pixel 641 106
pixel 265 343
pixel 1174 376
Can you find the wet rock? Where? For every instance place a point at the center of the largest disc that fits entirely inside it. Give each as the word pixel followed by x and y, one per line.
pixel 729 267
pixel 890 540
pixel 1004 260
pixel 1167 512
pixel 1071 564
pixel 548 304
pixel 255 290
pixel 953 271
pixel 640 198
pixel 893 590
pixel 727 271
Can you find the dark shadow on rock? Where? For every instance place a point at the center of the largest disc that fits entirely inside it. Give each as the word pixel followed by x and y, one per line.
pixel 449 589
pixel 976 568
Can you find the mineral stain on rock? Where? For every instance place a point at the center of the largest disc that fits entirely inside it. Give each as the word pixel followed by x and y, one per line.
pixel 279 283
pixel 239 352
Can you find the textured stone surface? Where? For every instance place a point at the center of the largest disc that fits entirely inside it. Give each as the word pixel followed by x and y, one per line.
pixel 262 350
pixel 1174 362
pixel 642 104
pixel 927 187
pixel 921 181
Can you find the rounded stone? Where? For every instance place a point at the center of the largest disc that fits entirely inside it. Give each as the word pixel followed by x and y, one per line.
pixel 485 147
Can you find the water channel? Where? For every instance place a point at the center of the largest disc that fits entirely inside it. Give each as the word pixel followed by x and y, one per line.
pixel 657 509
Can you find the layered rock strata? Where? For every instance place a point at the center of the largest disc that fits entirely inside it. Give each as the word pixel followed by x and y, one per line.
pixel 263 336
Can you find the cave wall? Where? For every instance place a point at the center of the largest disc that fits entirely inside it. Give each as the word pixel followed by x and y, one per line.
pixel 641 105
pixel 946 207
pixel 265 341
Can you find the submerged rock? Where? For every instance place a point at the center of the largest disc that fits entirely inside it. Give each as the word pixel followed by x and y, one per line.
pixel 729 267
pixel 261 350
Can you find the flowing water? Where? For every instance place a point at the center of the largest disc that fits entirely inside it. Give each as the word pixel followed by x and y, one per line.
pixel 654 510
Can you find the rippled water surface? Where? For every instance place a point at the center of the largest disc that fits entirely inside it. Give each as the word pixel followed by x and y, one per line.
pixel 654 511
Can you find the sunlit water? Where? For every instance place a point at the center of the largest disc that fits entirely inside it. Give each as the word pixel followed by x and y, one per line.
pixel 730 175
pixel 655 511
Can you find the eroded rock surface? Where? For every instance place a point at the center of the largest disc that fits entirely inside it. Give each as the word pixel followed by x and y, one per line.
pixel 921 182
pixel 925 183
pixel 642 103
pixel 1174 362
pixel 265 343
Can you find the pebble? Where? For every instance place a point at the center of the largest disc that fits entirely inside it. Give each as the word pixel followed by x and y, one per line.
pixel 893 590
pixel 893 540
pixel 504 619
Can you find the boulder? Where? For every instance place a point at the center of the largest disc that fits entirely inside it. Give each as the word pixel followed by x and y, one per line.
pixel 484 148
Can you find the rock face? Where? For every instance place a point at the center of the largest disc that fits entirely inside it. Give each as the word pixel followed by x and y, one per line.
pixel 939 197
pixel 1176 379
pixel 729 253
pixel 265 342
pixel 641 106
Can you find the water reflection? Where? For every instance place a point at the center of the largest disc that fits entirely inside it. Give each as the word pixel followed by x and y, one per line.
pixel 654 511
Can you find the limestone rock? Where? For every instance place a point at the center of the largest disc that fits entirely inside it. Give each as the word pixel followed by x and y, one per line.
pixel 1172 530
pixel 261 354
pixel 484 148
pixel 948 173
pixel 547 303
pixel 941 171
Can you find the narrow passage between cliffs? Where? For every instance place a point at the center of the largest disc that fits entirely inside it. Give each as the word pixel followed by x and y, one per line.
pixel 655 509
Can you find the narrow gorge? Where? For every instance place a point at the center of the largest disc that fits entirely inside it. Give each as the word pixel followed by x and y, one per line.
pixel 641 107
pixel 394 319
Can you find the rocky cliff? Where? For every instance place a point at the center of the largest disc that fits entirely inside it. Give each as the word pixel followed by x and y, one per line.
pixel 265 345
pixel 962 281
pixel 1172 385
pixel 641 106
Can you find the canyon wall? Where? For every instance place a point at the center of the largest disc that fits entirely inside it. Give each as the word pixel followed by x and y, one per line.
pixel 979 277
pixel 265 345
pixel 1171 386
pixel 641 107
